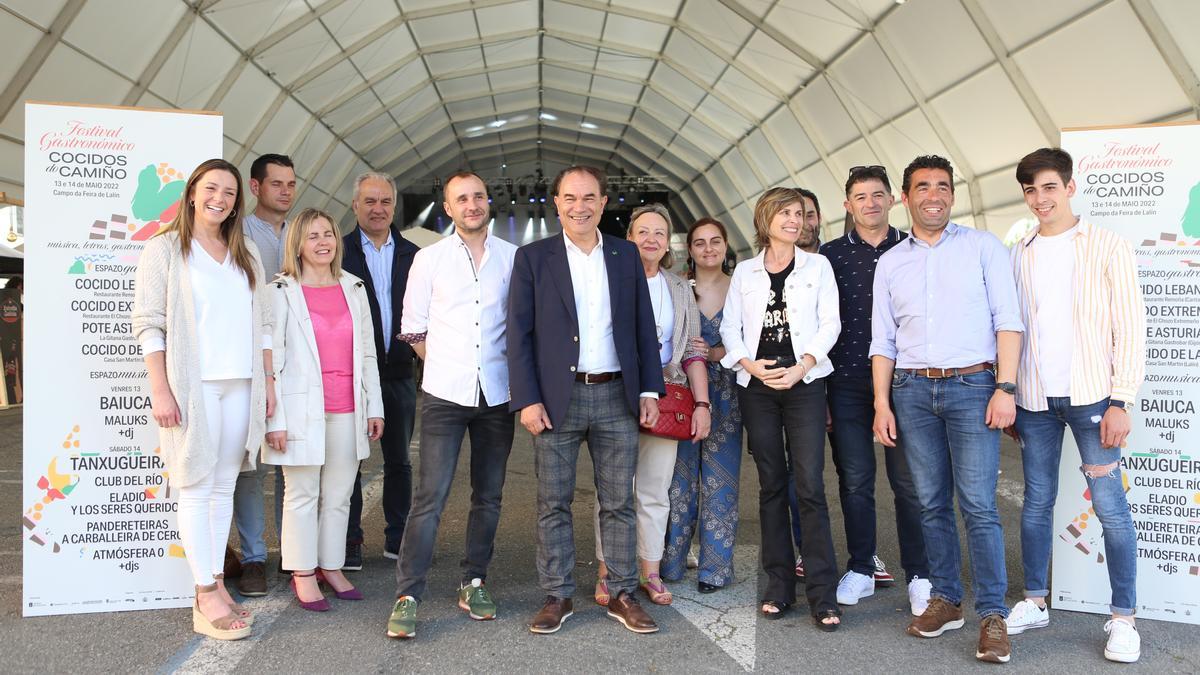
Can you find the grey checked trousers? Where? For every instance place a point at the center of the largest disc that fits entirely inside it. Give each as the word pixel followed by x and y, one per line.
pixel 599 415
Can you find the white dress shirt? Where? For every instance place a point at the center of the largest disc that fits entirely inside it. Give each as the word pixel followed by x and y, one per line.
pixel 461 313
pixel 664 316
pixel 589 279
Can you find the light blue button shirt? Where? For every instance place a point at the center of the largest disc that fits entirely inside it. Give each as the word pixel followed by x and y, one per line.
pixel 270 247
pixel 379 264
pixel 940 306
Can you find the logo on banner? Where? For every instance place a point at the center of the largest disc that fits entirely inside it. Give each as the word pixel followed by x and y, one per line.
pixel 154 204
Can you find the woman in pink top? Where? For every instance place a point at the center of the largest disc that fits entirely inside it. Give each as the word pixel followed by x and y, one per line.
pixel 329 408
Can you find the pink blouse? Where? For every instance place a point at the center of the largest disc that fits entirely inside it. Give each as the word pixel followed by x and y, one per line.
pixel 334 330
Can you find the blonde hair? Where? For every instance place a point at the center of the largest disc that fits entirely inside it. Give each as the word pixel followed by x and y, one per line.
pixel 667 259
pixel 769 205
pixel 184 222
pixel 297 231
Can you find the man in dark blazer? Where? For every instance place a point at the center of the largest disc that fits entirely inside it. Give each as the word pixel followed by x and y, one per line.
pixel 376 253
pixel 583 360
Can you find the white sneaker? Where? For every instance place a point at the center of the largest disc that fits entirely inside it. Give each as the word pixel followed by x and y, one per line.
pixel 918 595
pixel 692 561
pixel 1124 644
pixel 853 587
pixel 1025 615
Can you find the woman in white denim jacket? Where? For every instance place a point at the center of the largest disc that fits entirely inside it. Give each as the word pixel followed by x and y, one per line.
pixel 780 320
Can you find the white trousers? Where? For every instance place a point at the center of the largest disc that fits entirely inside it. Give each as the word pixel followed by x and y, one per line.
pixel 316 501
pixel 651 485
pixel 206 507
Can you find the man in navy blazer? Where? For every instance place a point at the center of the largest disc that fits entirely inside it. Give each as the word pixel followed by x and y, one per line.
pixel 583 360
pixel 376 253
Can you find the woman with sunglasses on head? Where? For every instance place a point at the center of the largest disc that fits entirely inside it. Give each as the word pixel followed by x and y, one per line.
pixel 202 317
pixel 780 320
pixel 330 405
pixel 704 490
pixel 682 354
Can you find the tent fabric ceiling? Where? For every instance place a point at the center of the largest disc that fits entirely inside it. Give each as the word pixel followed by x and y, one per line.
pixel 720 99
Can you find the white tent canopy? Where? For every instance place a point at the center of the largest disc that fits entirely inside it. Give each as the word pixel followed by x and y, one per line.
pixel 719 99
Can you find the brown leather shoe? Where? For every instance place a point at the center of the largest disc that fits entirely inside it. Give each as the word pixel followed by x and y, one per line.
pixel 552 615
pixel 253 583
pixel 626 609
pixel 939 617
pixel 993 640
pixel 233 563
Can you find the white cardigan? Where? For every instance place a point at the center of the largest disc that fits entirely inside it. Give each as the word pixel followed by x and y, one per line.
pixel 299 389
pixel 811 295
pixel 163 313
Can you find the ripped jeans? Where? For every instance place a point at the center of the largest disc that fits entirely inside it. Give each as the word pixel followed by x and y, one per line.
pixel 1042 435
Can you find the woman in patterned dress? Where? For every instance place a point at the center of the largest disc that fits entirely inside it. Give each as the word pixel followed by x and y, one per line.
pixel 704 489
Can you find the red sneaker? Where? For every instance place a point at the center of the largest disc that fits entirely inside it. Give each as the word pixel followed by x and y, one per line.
pixel 882 576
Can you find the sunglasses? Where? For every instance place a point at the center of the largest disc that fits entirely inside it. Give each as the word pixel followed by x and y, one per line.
pixel 872 167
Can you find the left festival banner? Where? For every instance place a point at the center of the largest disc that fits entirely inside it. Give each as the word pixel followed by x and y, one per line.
pixel 98 510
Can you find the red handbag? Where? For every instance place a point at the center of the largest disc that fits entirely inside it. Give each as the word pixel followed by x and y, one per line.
pixel 675 414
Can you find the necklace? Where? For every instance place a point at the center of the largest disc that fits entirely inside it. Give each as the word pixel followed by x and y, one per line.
pixel 658 310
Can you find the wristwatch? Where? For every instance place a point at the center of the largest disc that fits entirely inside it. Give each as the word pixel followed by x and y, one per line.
pixel 1114 403
pixel 1007 387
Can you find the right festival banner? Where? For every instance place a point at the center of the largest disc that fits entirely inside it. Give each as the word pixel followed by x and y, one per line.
pixel 1143 183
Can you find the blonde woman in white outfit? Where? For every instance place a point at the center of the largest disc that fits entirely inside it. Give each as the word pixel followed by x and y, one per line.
pixel 682 352
pixel 330 405
pixel 201 315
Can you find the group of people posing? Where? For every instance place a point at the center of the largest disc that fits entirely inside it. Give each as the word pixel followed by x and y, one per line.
pixel 281 342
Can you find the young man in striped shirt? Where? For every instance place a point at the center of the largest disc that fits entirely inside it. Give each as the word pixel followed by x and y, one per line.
pixel 1082 361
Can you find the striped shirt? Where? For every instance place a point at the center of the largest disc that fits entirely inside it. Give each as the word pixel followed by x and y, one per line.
pixel 1108 321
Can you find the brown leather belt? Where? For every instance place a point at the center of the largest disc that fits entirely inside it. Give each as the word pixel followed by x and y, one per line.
pixel 941 373
pixel 597 378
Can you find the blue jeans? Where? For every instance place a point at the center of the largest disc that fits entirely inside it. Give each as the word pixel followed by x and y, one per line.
pixel 851 406
pixel 952 453
pixel 1042 435
pixel 248 511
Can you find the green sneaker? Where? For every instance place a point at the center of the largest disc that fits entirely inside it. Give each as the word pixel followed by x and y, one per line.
pixel 477 601
pixel 403 621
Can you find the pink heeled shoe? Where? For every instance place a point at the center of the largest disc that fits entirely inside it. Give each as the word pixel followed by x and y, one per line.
pixel 350 594
pixel 321 605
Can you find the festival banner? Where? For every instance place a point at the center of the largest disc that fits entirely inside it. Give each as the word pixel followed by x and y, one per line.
pixel 1143 182
pixel 98 509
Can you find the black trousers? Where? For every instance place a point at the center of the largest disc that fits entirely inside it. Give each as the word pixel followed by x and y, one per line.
pixel 766 414
pixel 399 415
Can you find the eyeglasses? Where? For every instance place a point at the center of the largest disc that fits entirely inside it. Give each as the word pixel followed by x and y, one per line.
pixel 872 167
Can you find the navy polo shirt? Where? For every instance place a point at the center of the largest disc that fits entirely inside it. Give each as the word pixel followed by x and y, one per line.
pixel 853 261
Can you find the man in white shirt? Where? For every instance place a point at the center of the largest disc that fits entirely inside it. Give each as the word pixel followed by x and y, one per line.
pixel 583 365
pixel 273 183
pixel 1082 361
pixel 455 314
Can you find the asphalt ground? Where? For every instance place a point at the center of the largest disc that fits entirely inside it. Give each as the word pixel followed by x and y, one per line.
pixel 718 633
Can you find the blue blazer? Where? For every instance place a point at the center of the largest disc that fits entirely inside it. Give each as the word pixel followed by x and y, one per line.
pixel 543 328
pixel 395 357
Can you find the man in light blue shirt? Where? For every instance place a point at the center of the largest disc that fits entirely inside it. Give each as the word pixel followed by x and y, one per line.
pixel 945 340
pixel 273 184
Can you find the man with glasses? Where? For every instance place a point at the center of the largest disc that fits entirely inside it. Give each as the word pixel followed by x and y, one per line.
pixel 854 256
